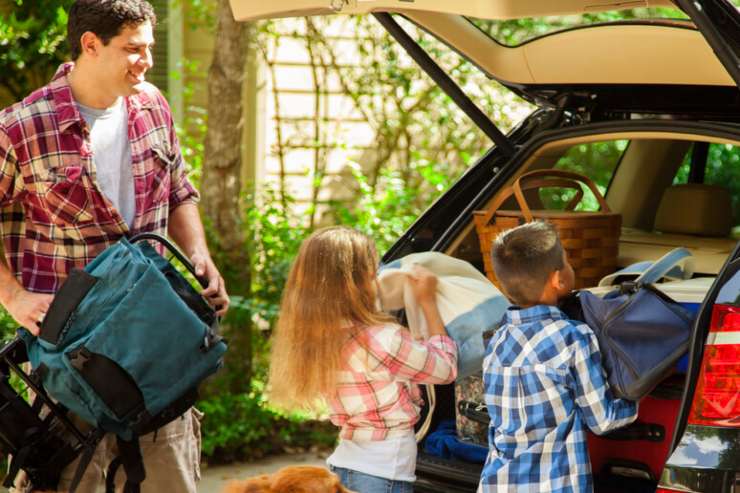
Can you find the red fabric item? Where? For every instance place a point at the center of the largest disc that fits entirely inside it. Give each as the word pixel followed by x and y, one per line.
pixel 652 454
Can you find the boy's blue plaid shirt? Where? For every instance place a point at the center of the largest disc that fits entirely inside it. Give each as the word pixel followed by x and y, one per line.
pixel 544 387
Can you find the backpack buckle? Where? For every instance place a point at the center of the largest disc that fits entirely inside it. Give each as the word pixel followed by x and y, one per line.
pixel 79 357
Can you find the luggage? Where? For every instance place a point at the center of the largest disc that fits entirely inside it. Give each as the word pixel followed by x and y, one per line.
pixel 642 332
pixel 591 239
pixel 125 343
pixel 468 303
pixel 471 415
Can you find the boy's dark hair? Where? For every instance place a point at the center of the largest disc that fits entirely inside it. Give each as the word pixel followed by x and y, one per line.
pixel 524 257
pixel 105 18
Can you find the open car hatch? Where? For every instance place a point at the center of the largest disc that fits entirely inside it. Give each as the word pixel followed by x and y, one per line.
pixel 703 53
pixel 658 66
pixel 246 10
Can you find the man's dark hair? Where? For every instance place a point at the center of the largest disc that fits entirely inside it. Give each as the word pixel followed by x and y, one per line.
pixel 523 259
pixel 105 18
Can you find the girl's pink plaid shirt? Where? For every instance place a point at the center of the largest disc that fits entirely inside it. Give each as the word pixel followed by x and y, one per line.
pixel 377 395
pixel 53 217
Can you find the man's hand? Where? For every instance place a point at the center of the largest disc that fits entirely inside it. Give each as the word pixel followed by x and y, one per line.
pixel 215 292
pixel 28 309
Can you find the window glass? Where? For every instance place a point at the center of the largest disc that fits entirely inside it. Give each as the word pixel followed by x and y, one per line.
pixel 517 31
pixel 723 169
pixel 597 161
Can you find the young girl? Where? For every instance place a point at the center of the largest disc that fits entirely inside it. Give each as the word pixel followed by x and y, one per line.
pixel 332 343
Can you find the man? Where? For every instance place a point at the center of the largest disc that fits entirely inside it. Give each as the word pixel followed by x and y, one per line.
pixel 85 160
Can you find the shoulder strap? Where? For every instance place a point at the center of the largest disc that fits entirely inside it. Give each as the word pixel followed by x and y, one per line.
pixel 85 459
pixel 129 456
pixel 662 266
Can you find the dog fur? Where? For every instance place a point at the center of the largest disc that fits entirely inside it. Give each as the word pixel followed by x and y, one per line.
pixel 291 479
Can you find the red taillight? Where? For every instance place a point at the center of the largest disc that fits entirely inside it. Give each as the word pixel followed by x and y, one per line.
pixel 667 490
pixel 717 396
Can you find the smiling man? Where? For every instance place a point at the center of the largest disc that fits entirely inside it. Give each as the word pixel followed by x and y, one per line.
pixel 84 161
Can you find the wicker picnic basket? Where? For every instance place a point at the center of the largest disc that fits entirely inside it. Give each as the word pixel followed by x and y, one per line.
pixel 590 239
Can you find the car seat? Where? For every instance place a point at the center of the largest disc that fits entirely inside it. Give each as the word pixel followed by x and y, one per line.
pixel 695 209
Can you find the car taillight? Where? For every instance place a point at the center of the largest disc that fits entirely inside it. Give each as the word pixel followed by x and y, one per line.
pixel 717 396
pixel 668 490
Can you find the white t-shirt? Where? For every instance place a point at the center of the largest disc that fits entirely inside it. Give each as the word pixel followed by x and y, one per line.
pixel 393 458
pixel 112 155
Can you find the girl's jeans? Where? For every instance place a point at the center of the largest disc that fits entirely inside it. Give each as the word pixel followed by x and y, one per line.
pixel 364 483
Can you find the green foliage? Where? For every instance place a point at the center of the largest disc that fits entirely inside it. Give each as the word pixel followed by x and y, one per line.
pixel 7 325
pixel 596 160
pixel 516 31
pixel 245 427
pixel 32 44
pixel 386 211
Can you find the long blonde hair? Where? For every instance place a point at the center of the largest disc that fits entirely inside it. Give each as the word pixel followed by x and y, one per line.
pixel 329 295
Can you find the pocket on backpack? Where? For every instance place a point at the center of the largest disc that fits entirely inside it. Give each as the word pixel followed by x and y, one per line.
pixel 115 387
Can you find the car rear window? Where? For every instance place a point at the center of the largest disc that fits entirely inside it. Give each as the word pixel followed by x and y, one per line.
pixel 719 165
pixel 518 31
pixel 596 160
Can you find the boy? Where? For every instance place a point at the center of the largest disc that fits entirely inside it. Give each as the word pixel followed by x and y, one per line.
pixel 543 379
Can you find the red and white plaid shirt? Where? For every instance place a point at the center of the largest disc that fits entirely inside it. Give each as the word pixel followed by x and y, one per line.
pixel 377 396
pixel 53 216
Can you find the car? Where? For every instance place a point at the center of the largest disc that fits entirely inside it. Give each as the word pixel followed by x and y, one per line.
pixel 650 111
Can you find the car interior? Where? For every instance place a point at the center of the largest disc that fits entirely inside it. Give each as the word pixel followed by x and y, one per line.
pixel 672 190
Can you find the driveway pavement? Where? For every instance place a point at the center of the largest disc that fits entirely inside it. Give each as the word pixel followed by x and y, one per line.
pixel 213 479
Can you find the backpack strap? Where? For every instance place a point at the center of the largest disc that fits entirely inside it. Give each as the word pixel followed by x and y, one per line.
pixel 129 456
pixel 90 448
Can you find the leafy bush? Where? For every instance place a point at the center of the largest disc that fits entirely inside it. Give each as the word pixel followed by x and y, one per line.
pixel 245 427
pixel 7 325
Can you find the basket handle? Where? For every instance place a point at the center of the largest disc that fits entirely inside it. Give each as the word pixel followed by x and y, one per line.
pixel 520 185
pixel 541 183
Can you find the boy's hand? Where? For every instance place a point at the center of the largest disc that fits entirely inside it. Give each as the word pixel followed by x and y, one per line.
pixel 423 284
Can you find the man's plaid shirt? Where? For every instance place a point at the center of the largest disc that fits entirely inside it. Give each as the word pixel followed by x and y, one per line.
pixel 377 396
pixel 53 216
pixel 544 387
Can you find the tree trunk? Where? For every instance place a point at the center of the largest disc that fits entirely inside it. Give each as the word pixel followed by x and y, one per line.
pixel 221 187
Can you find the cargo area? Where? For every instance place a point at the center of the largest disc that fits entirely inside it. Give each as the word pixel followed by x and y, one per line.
pixel 660 209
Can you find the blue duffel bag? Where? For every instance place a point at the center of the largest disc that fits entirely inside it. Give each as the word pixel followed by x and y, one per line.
pixel 126 342
pixel 642 332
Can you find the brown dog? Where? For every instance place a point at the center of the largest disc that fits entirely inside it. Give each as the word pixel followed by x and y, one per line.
pixel 291 479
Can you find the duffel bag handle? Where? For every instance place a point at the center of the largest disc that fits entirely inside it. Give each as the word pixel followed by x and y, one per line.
pixel 663 265
pixel 536 184
pixel 174 250
pixel 523 182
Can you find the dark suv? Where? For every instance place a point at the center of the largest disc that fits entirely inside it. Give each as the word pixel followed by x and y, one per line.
pixel 649 110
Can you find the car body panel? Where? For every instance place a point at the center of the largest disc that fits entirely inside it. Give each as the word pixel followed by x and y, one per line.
pixel 248 10
pixel 658 53
pixel 619 53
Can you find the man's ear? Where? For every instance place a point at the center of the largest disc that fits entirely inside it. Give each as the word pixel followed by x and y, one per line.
pixel 90 43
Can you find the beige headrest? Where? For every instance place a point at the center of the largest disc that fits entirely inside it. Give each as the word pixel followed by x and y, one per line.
pixel 695 209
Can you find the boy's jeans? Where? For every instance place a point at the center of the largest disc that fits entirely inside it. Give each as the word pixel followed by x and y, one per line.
pixel 365 483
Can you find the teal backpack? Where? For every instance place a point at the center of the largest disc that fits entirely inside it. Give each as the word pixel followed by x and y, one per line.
pixel 125 344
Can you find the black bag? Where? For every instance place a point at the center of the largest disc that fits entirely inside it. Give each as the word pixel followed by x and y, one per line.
pixel 39 438
pixel 642 332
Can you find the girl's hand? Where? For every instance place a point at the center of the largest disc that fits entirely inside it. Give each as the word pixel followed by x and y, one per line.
pixel 423 284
